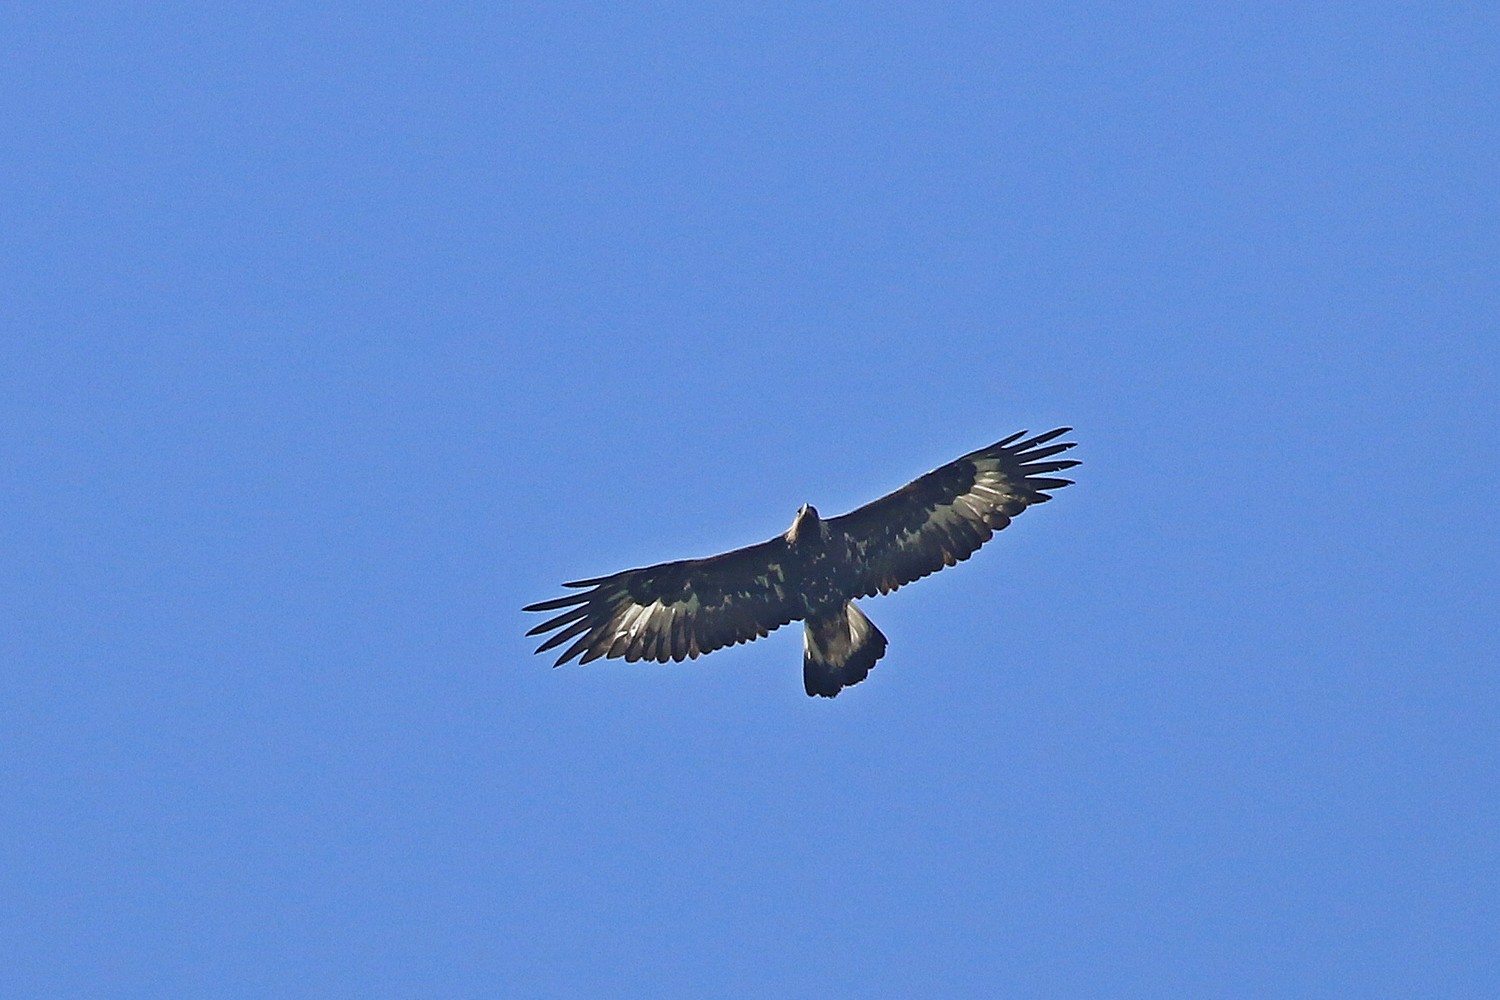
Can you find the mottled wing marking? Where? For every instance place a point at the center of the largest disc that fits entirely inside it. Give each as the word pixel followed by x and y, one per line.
pixel 943 517
pixel 674 611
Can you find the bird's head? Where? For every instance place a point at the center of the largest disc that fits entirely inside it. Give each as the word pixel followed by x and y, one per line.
pixel 805 526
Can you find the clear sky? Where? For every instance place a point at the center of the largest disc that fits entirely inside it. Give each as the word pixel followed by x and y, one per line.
pixel 333 334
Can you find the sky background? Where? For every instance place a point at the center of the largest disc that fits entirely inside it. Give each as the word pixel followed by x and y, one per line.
pixel 333 334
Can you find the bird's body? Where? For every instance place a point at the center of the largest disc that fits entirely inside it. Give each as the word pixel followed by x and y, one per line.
pixel 812 572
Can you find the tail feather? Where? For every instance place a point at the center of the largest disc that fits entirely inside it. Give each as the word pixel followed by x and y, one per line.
pixel 838 650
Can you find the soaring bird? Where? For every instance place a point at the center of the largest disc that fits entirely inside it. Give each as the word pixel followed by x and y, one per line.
pixel 813 572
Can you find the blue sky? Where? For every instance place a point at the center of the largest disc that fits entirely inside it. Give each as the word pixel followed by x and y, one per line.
pixel 335 334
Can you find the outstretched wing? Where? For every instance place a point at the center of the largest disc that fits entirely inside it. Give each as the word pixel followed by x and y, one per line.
pixel 946 515
pixel 675 610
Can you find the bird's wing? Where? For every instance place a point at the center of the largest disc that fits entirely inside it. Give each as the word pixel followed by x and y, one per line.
pixel 946 515
pixel 675 610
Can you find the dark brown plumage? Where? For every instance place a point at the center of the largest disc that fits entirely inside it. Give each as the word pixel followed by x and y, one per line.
pixel 680 610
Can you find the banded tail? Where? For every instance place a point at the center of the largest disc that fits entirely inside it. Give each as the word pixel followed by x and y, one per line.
pixel 838 650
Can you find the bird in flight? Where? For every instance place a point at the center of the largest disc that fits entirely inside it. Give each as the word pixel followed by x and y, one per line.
pixel 813 572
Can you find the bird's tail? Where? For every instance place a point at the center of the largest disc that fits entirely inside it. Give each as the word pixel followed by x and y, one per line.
pixel 839 649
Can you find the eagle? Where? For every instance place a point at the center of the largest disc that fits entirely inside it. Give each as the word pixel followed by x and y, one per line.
pixel 813 572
